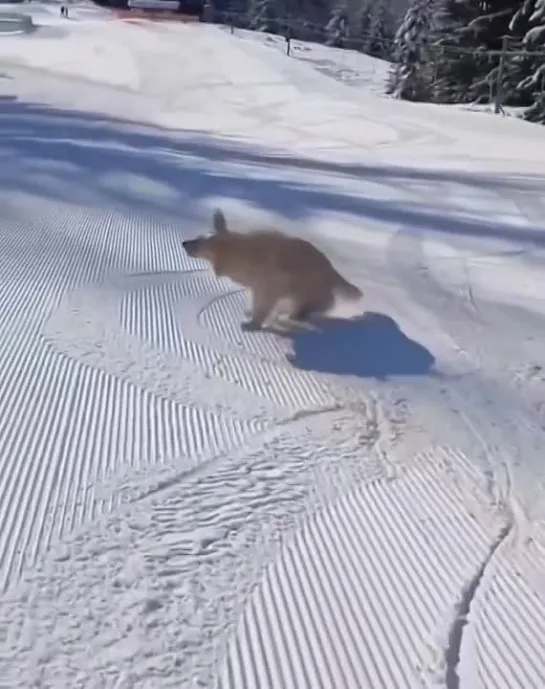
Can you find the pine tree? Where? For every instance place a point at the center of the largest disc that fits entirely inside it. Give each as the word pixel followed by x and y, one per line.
pixel 337 29
pixel 382 30
pixel 453 52
pixel 263 15
pixel 361 23
pixel 484 33
pixel 530 20
pixel 517 65
pixel 411 75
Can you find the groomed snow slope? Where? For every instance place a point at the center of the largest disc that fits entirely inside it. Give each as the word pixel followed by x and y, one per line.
pixel 184 504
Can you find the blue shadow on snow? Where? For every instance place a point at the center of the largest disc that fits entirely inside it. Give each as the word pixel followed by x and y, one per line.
pixel 371 346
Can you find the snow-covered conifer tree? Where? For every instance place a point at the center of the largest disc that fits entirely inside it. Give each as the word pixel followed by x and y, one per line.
pixel 484 33
pixel 382 30
pixel 263 15
pixel 411 75
pixel 455 62
pixel 530 21
pixel 360 23
pixel 337 29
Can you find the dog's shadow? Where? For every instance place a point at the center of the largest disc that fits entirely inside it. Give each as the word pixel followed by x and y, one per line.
pixel 371 346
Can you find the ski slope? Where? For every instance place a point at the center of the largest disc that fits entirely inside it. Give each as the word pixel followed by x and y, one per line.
pixel 187 505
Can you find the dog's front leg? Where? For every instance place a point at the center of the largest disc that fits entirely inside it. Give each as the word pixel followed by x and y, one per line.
pixel 262 307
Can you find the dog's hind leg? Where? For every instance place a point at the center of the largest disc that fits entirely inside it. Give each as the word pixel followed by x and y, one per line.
pixel 295 324
pixel 298 312
pixel 298 316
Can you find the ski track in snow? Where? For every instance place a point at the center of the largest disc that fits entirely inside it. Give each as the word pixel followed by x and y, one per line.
pixel 502 418
pixel 502 645
pixel 345 587
pixel 183 507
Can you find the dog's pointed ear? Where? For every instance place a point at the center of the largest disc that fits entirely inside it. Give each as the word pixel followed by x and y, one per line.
pixel 219 222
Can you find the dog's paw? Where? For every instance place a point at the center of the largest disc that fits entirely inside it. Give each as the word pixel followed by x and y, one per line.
pixel 295 324
pixel 250 326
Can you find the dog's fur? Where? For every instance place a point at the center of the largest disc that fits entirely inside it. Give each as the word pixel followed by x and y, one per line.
pixel 283 273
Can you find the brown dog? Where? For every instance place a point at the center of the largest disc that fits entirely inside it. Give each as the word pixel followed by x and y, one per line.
pixel 283 273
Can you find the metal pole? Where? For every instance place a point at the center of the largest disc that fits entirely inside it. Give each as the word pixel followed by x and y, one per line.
pixel 288 35
pixel 499 77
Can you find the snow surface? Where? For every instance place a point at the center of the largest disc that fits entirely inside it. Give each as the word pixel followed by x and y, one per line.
pixel 187 505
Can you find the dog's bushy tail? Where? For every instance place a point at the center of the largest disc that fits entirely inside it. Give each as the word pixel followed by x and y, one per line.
pixel 347 301
pixel 349 291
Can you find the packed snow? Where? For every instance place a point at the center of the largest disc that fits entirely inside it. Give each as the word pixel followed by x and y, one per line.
pixel 184 504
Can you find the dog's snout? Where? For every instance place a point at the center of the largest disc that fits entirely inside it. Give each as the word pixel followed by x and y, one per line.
pixel 191 246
